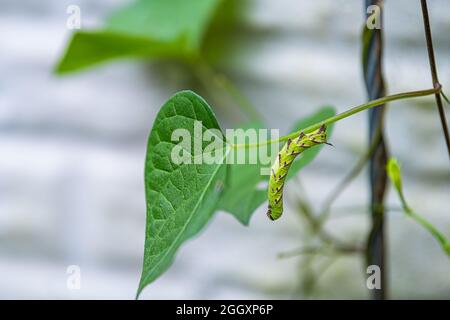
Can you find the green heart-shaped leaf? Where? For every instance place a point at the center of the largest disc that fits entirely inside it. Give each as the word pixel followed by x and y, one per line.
pixel 181 197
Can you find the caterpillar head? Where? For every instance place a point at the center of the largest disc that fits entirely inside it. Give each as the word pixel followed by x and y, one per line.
pixel 274 213
pixel 319 136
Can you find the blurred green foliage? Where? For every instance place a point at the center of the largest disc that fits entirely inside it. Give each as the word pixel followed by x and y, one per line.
pixel 186 31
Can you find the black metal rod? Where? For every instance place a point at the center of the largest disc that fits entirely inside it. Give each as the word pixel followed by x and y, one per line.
pixel 373 76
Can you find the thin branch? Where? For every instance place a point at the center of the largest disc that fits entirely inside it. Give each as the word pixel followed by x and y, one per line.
pixel 345 114
pixel 356 170
pixel 316 227
pixel 434 73
pixel 208 75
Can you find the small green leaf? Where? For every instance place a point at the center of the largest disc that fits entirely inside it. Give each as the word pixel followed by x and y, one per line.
pixel 181 198
pixel 145 28
pixel 247 188
pixel 394 173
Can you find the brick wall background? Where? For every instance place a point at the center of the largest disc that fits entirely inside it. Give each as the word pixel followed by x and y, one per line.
pixel 72 150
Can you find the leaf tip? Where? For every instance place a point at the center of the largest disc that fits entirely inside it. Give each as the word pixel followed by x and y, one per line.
pixel 394 172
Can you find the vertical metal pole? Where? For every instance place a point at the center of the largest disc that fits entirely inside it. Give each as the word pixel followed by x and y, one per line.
pixel 373 76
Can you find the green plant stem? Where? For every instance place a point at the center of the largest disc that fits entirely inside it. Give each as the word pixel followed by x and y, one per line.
pixel 316 227
pixel 436 233
pixel 223 82
pixel 346 114
pixel 427 225
pixel 320 271
pixel 216 93
pixel 322 250
pixel 238 97
pixel 321 233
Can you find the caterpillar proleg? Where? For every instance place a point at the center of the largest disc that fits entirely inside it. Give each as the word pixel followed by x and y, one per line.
pixel 280 168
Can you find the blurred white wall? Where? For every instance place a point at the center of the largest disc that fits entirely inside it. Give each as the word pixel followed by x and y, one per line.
pixel 72 151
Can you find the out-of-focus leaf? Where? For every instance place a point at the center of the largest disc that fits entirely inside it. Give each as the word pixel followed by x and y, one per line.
pixel 146 28
pixel 221 43
pixel 165 20
pixel 243 193
pixel 93 47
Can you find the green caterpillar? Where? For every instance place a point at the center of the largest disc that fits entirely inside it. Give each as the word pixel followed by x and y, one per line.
pixel 280 168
